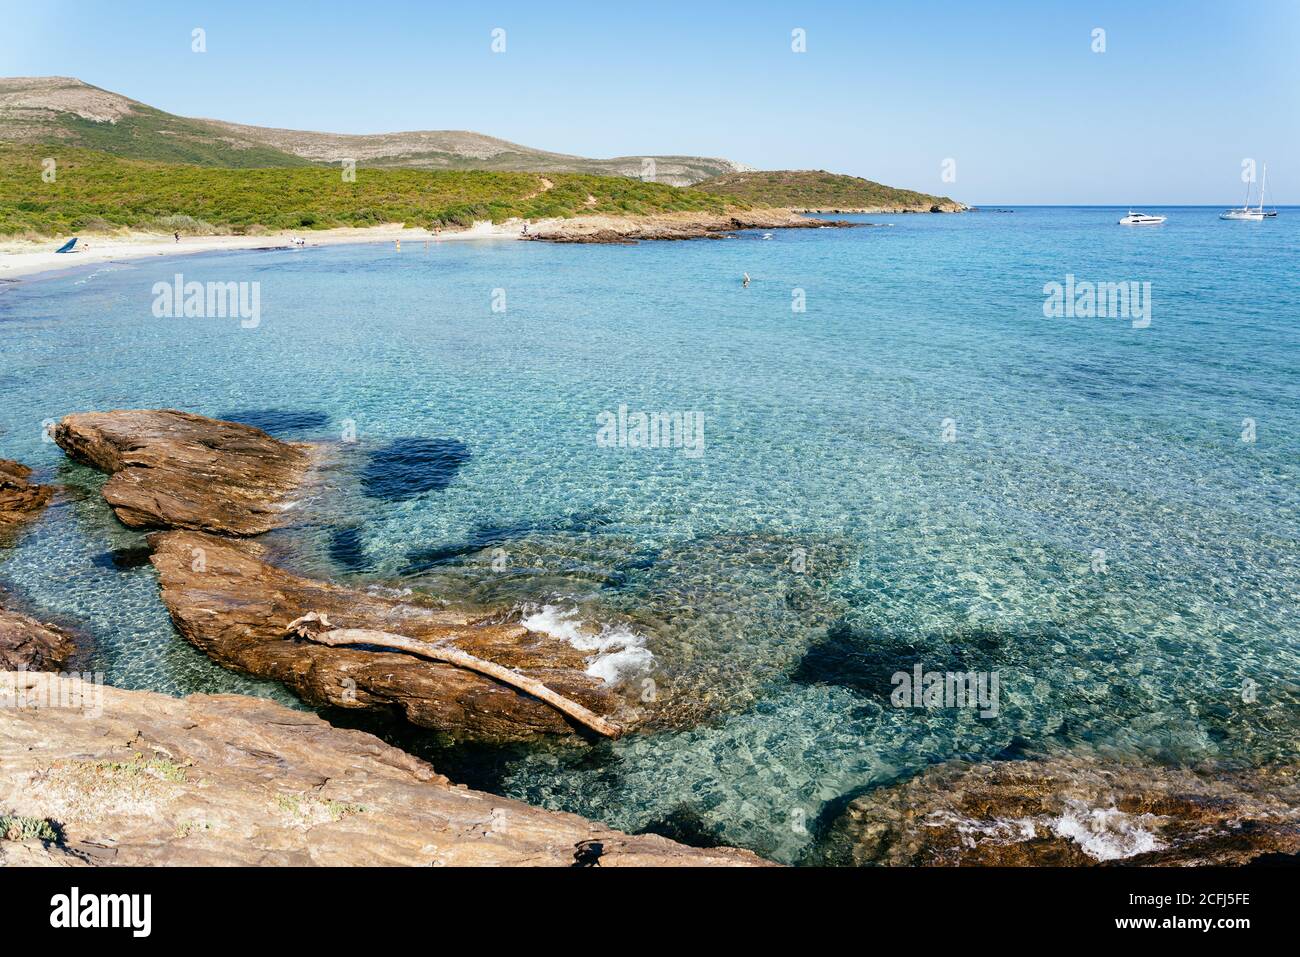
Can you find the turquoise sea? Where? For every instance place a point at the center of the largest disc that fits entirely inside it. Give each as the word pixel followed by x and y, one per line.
pixel 918 468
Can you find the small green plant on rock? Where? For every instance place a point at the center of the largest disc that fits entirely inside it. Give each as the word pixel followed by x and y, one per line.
pixel 17 828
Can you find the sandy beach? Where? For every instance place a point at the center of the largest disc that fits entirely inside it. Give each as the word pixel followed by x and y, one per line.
pixel 20 259
pixel 23 259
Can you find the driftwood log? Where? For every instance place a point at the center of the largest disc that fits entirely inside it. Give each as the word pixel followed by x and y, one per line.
pixel 316 627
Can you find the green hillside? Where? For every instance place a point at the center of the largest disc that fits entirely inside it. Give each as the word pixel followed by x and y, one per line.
pixel 94 191
pixel 820 190
pixel 66 112
pixel 151 134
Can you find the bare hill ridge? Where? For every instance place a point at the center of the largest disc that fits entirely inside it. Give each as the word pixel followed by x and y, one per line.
pixel 67 110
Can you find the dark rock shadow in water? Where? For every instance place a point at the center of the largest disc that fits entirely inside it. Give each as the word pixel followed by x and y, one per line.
pixel 865 660
pixel 406 468
pixel 347 548
pixel 491 534
pixel 123 559
pixel 685 825
pixel 280 422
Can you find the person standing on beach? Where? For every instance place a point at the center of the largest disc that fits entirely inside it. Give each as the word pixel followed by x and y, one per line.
pixel 178 236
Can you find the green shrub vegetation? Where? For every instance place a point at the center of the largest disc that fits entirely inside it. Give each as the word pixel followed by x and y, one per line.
pixel 96 192
pixel 14 827
pixel 817 189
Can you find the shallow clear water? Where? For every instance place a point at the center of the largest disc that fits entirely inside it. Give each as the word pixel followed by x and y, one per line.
pixel 477 473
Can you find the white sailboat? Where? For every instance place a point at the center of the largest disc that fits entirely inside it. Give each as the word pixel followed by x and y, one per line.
pixel 1246 213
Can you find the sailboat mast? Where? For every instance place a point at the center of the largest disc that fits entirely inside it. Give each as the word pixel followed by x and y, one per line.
pixel 1262 184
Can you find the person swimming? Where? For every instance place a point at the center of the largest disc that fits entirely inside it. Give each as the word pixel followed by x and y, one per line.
pixel 745 282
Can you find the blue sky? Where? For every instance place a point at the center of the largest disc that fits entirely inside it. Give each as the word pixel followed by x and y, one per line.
pixel 1011 91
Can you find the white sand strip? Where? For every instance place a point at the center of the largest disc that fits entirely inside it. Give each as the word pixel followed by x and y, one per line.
pixel 22 258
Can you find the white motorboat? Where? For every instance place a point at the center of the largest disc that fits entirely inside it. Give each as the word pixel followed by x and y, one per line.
pixel 1141 219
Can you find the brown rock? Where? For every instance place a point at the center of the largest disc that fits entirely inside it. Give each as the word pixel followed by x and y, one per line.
pixel 1072 810
pixel 235 607
pixel 26 643
pixel 176 470
pixel 19 499
pixel 630 229
pixel 233 780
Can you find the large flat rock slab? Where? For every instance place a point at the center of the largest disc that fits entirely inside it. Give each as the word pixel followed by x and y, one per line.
pixel 1073 810
pixel 233 780
pixel 235 607
pixel 172 469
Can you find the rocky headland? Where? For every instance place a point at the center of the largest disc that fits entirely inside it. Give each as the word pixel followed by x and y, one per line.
pixel 666 226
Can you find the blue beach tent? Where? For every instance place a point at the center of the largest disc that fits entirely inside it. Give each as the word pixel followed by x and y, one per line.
pixel 67 247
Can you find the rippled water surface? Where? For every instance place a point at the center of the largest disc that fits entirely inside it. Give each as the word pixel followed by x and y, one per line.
pixel 1096 532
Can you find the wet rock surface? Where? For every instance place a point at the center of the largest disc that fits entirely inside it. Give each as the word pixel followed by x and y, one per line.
pixel 20 499
pixel 233 780
pixel 172 469
pixel 1071 810
pixel 235 607
pixel 27 643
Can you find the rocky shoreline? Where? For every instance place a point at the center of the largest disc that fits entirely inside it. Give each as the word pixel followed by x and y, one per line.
pixel 95 775
pixel 148 779
pixel 137 778
pixel 885 210
pixel 27 644
pixel 671 226
pixel 1072 810
pixel 212 484
pixel 171 469
pixel 20 500
pixel 237 609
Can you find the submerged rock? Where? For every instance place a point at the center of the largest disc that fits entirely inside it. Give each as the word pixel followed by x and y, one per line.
pixel 236 608
pixel 1072 810
pixel 20 500
pixel 173 469
pixel 26 643
pixel 233 780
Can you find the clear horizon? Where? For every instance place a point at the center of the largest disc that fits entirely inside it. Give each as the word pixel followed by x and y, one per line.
pixel 1016 97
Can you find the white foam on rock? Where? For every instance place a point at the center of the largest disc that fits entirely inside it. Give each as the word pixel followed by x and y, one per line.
pixel 1107 834
pixel 617 652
